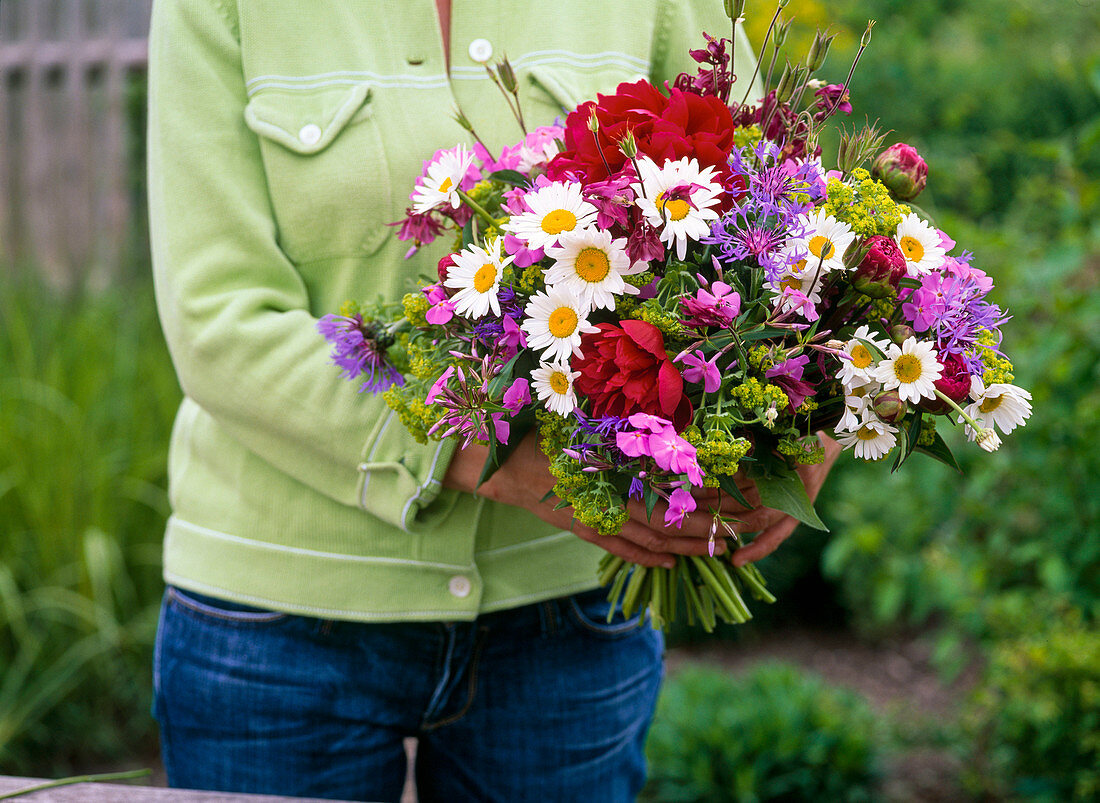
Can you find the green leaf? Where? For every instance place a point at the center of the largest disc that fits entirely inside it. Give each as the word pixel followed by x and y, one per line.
pixel 940 451
pixel 513 177
pixel 786 493
pixel 763 334
pixel 727 484
pixel 651 498
pixel 907 440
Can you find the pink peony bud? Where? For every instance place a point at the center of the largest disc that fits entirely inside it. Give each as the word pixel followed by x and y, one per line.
pixel 883 261
pixel 954 383
pixel 902 170
pixel 444 263
pixel 889 406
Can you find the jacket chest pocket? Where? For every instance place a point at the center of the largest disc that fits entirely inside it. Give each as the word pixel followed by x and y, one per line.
pixel 326 169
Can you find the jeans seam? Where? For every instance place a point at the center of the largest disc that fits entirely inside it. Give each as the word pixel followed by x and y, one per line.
pixel 471 685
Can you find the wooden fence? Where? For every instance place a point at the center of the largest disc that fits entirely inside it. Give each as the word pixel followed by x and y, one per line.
pixel 71 100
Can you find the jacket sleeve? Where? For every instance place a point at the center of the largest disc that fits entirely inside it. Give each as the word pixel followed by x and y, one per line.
pixel 235 311
pixel 680 27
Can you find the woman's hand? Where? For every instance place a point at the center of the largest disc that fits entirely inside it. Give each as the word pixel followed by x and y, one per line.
pixel 524 480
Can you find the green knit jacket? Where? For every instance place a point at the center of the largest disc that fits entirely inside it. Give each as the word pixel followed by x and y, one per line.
pixel 283 136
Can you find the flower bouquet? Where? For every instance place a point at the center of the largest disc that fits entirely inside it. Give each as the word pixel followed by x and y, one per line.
pixel 674 290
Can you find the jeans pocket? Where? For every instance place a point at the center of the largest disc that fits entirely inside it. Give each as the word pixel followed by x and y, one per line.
pixel 589 611
pixel 222 611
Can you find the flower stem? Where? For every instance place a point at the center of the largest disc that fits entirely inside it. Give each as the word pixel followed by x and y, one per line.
pixel 106 776
pixel 478 208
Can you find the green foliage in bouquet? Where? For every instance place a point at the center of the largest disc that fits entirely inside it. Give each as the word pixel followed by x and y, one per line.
pixel 777 734
pixel 1035 718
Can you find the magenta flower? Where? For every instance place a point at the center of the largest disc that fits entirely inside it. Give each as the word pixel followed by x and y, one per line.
pixel 439 385
pixel 788 375
pixel 633 444
pixel 673 453
pixel 701 370
pixel 651 423
pixel 518 395
pixel 717 306
pixel 680 503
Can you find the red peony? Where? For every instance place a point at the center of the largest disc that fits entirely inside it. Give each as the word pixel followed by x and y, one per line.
pixel 902 170
pixel 683 124
pixel 884 263
pixel 624 370
pixel 954 383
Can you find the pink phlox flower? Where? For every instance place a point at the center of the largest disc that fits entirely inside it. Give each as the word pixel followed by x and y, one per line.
pixel 512 338
pixel 680 504
pixel 518 395
pixel 612 198
pixel 421 229
pixel 701 370
pixel 538 147
pixel 945 240
pixel 918 309
pixel 717 306
pixel 633 443
pixel 440 313
pixel 509 158
pixel 502 427
pixel 524 256
pixel 788 375
pixel 434 293
pixel 963 271
pixel 673 453
pixel 650 423
pixel 439 385
pixel 515 201
pixel 797 301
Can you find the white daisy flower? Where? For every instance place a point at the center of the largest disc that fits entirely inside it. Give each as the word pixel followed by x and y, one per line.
pixel 476 274
pixel 590 265
pixel 440 185
pixel 921 245
pixel 532 157
pixel 555 321
pixel 857 401
pixel 555 208
pixel 676 200
pixel 1000 405
pixel 553 383
pixel 872 440
pixel 912 369
pixel 826 239
pixel 861 367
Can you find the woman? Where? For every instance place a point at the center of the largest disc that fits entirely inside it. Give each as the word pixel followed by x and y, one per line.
pixel 333 586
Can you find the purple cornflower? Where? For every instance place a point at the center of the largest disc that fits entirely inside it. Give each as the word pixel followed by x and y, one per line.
pixel 358 349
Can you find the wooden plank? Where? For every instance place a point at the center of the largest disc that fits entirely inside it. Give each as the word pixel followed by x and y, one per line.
pixel 75 199
pixel 131 793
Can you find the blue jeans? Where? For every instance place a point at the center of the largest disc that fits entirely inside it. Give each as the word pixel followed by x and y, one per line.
pixel 546 702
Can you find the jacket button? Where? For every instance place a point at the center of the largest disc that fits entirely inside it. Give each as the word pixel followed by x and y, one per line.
pixel 460 586
pixel 481 50
pixel 310 134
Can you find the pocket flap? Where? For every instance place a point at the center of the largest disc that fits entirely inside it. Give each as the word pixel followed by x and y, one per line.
pixel 304 120
pixel 570 88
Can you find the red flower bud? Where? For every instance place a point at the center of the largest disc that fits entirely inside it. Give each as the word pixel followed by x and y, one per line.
pixel 883 261
pixel 902 170
pixel 444 263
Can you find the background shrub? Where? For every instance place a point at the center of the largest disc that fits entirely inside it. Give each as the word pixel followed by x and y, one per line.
pixel 775 734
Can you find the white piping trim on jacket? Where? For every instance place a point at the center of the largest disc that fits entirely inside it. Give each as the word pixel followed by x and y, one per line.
pixel 366 474
pixel 432 481
pixel 313 553
pixel 568 56
pixel 263 602
pixel 524 544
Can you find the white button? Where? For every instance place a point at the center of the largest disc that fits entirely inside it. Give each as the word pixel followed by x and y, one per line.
pixel 460 586
pixel 481 50
pixel 310 134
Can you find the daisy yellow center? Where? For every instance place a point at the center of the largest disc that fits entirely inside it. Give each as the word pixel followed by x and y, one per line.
pixel 990 404
pixel 592 264
pixel 799 266
pixel 912 248
pixel 791 283
pixel 485 278
pixel 677 208
pixel 822 247
pixel 558 221
pixel 861 356
pixel 866 434
pixel 562 322
pixel 446 185
pixel 907 369
pixel 559 383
